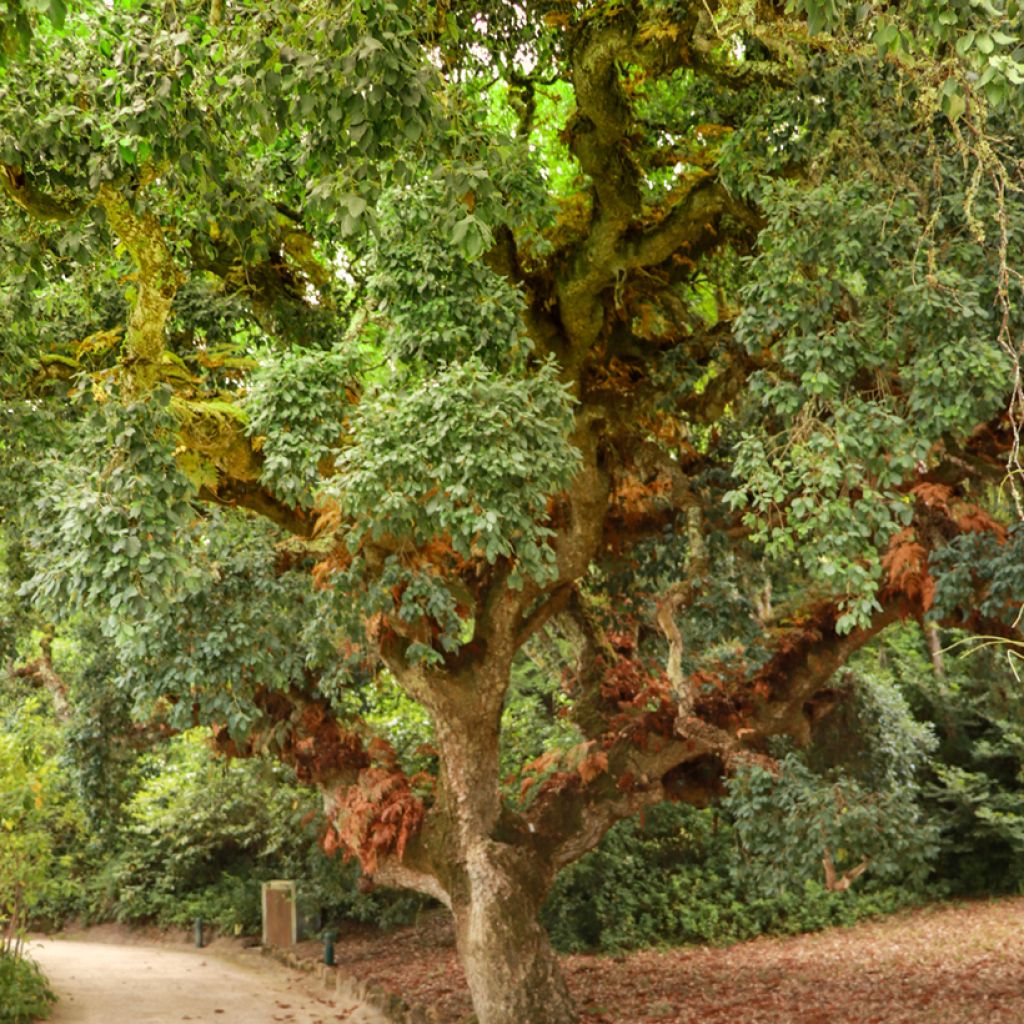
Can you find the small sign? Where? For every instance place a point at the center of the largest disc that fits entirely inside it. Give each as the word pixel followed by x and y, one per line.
pixel 280 918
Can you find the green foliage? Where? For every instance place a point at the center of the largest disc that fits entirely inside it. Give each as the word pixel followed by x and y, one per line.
pixel 974 780
pixel 979 556
pixel 978 40
pixel 173 91
pixel 111 530
pixel 201 835
pixel 439 302
pixel 100 764
pixel 680 875
pixel 33 812
pixel 43 831
pixel 535 718
pixel 801 817
pixel 242 626
pixel 25 997
pixel 874 736
pixel 391 713
pixel 297 404
pixel 469 455
pixel 843 283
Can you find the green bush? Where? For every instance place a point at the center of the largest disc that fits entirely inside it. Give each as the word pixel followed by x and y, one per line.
pixel 972 781
pixel 683 875
pixel 203 833
pixel 788 820
pixel 24 994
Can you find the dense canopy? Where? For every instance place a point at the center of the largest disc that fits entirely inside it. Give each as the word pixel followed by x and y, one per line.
pixel 669 348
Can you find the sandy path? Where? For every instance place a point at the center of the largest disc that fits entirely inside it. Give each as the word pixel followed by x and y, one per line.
pixel 99 983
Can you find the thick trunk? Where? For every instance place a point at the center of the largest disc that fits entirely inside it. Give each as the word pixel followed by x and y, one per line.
pixel 512 972
pixel 496 886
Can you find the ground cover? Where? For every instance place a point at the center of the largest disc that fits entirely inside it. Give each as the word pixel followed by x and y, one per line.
pixel 943 964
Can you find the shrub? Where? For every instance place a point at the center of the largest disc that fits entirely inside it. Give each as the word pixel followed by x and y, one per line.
pixel 203 833
pixel 24 994
pixel 687 875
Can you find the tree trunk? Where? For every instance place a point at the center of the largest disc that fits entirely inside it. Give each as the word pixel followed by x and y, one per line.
pixel 497 885
pixel 931 632
pixel 511 969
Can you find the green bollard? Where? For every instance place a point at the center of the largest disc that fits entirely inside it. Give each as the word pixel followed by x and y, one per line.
pixel 329 948
pixel 198 929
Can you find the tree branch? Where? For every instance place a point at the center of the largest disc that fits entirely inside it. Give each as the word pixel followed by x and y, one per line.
pixel 249 494
pixel 34 201
pixel 42 671
pixel 158 281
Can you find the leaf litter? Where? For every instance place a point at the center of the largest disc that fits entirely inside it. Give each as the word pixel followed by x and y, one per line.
pixel 957 963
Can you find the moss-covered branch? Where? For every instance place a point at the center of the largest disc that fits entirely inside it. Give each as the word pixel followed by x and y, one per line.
pixel 157 282
pixel 34 201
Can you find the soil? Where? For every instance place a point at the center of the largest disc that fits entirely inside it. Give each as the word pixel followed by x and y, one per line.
pixel 105 982
pixel 943 964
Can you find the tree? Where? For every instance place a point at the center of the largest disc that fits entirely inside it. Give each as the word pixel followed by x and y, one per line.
pixel 670 347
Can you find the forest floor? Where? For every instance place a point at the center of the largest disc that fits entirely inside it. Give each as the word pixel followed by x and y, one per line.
pixel 957 963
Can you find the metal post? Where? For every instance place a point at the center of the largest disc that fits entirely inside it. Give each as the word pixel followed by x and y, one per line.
pixel 198 929
pixel 329 948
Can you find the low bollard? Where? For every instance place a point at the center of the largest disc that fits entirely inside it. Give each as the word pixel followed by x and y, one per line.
pixel 198 929
pixel 329 948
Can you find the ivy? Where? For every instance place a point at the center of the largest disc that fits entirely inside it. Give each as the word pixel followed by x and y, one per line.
pixel 439 302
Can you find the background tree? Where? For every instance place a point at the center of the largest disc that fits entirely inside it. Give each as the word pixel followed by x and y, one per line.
pixel 677 344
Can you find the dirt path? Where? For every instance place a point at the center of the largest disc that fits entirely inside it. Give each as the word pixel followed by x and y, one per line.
pixel 99 983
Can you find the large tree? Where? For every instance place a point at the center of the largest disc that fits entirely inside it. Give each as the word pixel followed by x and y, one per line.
pixel 671 347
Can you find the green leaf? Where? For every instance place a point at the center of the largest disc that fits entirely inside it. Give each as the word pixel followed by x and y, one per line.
pixel 886 36
pixel 964 43
pixel 58 12
pixel 953 105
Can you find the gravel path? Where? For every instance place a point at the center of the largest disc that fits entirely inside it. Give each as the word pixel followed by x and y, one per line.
pixel 100 983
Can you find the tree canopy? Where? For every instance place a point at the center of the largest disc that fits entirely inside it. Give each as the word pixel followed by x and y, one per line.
pixel 670 349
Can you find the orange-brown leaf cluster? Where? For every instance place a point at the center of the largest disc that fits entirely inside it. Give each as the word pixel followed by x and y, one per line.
pixel 906 563
pixel 593 765
pixel 376 816
pixel 630 684
pixel 634 501
pixel 554 769
pixel 968 516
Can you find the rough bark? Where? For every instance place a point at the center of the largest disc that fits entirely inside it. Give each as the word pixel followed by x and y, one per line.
pixel 931 632
pixel 511 970
pixel 496 882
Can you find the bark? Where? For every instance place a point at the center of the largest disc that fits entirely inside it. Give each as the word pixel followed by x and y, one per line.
pixel 512 972
pixel 931 632
pixel 16 184
pixel 157 282
pixel 496 882
pixel 42 671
